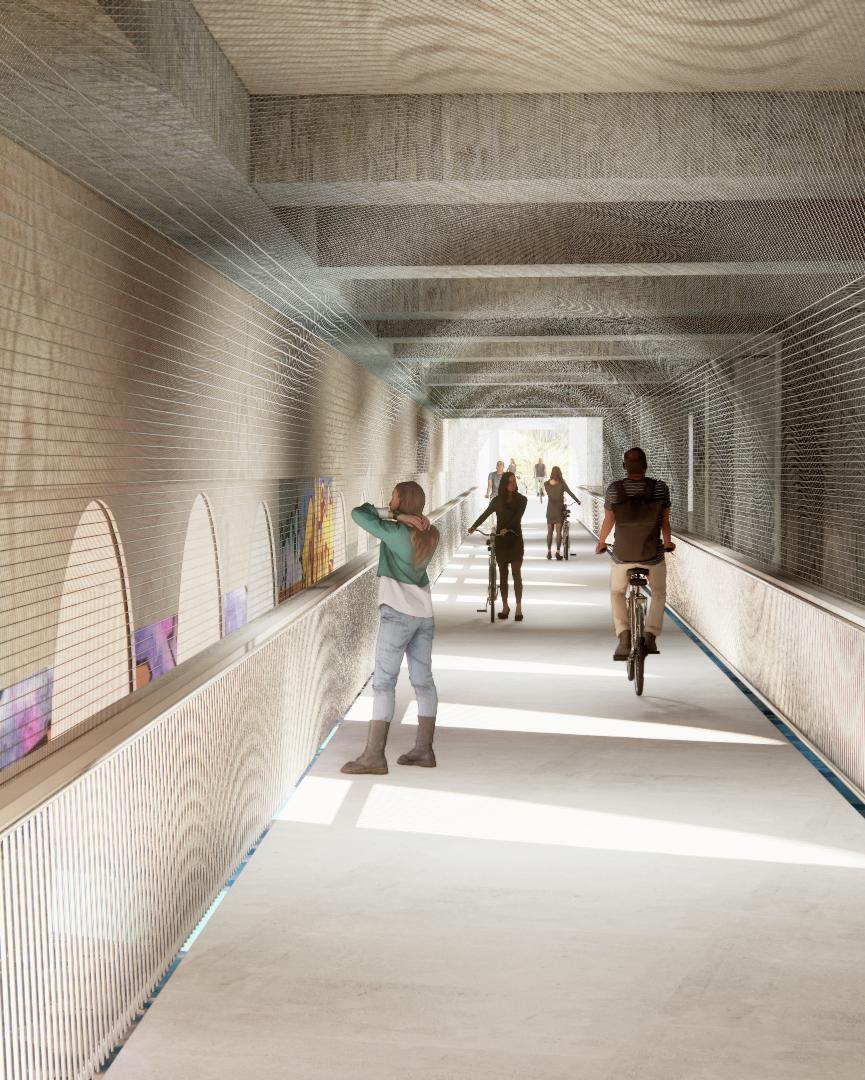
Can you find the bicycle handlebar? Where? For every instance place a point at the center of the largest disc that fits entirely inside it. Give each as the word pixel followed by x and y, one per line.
pixel 608 549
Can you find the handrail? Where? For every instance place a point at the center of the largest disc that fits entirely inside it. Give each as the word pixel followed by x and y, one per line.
pixel 125 720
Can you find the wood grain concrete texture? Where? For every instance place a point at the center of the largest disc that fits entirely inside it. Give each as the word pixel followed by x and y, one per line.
pixel 610 147
pixel 392 47
pixel 588 885
pixel 171 38
pixel 134 373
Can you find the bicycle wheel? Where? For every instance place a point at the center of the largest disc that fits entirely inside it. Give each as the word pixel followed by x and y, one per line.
pixel 493 590
pixel 639 652
pixel 632 626
pixel 566 540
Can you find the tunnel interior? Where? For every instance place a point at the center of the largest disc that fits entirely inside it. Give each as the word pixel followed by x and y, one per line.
pixel 263 260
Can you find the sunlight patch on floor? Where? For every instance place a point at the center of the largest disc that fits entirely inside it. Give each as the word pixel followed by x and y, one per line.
pixel 315 801
pixel 481 817
pixel 452 662
pixel 494 718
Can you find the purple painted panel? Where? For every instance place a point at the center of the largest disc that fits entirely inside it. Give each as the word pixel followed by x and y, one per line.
pixel 25 716
pixel 155 650
pixel 234 610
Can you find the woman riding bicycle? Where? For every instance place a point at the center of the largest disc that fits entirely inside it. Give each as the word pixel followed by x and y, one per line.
pixel 509 507
pixel 555 488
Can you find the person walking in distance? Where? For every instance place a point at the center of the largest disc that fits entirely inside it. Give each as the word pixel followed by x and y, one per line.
pixel 508 506
pixel 408 543
pixel 639 508
pixel 540 477
pixel 556 488
pixel 494 479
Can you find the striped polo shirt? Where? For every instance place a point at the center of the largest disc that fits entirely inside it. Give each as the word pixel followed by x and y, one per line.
pixel 634 488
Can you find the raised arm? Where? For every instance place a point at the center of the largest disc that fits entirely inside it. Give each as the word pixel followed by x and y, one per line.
pixel 489 510
pixel 366 516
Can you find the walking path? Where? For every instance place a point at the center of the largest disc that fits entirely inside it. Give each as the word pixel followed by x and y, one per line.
pixel 590 886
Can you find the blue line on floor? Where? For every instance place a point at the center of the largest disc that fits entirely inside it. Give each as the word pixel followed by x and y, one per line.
pixel 852 797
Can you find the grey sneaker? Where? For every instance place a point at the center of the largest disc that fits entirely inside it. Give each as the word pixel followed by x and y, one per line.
pixel 651 644
pixel 623 649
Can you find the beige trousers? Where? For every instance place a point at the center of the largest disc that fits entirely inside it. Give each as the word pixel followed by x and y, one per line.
pixel 658 585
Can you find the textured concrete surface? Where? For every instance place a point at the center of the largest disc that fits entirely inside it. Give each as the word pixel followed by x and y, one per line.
pixel 589 885
pixel 412 47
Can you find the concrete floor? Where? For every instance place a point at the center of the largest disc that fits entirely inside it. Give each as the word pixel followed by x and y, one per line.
pixel 589 885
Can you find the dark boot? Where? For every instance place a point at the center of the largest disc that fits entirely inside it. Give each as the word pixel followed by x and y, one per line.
pixel 372 760
pixel 423 752
pixel 651 644
pixel 623 649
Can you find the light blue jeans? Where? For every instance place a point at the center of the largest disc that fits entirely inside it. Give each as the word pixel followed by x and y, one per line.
pixel 403 635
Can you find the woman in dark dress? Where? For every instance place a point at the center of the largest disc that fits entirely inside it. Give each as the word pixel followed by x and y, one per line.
pixel 556 488
pixel 509 507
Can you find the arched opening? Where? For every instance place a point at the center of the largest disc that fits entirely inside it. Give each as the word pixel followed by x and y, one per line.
pixel 261 577
pixel 199 608
pixel 92 652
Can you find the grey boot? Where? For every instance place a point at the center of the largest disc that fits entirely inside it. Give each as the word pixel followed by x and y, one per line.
pixel 372 760
pixel 423 752
pixel 623 649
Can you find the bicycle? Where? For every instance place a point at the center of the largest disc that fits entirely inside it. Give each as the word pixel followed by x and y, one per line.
pixel 566 532
pixel 493 584
pixel 636 600
pixel 638 579
pixel 539 484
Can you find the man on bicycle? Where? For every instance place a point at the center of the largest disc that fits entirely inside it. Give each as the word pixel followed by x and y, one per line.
pixel 639 507
pixel 494 479
pixel 540 476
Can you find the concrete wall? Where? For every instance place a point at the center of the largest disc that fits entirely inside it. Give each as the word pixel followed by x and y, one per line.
pixel 134 374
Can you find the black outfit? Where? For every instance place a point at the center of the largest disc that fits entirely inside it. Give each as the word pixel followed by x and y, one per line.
pixel 509 548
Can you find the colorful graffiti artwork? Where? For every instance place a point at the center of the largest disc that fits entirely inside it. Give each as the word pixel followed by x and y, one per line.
pixel 234 610
pixel 155 650
pixel 306 533
pixel 318 538
pixel 25 716
pixel 292 524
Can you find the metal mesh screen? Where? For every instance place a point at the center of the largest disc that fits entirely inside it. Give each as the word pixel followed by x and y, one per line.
pixel 182 434
pixel 193 258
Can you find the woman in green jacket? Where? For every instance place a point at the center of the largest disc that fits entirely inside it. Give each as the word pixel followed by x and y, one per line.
pixel 408 543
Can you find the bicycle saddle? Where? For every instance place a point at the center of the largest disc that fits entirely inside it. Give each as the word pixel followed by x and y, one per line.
pixel 638 572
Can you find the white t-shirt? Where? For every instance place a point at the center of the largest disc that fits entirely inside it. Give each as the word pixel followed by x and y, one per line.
pixel 409 599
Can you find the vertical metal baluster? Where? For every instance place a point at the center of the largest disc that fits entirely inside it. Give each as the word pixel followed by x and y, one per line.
pixel 22 1027
pixel 51 984
pixel 7 969
pixel 35 969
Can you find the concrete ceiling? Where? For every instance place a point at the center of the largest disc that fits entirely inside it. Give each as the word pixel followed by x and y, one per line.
pixel 539 46
pixel 500 254
pixel 541 251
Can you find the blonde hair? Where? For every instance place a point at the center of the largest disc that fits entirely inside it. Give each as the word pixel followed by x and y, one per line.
pixel 412 501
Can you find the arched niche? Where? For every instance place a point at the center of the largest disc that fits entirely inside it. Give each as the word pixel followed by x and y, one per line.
pixel 199 607
pixel 93 646
pixel 262 595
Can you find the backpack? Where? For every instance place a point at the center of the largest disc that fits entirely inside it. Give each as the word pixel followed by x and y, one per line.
pixel 638 524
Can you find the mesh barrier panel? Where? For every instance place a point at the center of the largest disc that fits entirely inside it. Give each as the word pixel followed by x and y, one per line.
pixel 195 251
